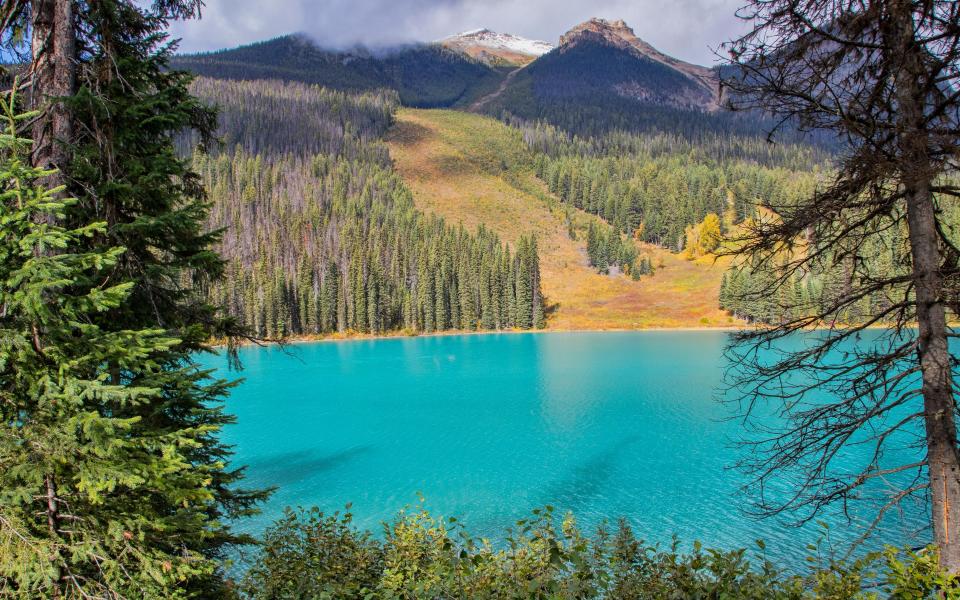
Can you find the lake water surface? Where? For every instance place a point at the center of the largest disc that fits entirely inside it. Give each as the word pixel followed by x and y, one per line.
pixel 488 427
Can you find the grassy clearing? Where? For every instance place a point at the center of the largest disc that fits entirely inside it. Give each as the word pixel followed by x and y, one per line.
pixel 474 170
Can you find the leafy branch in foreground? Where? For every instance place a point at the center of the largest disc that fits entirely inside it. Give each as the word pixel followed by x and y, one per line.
pixel 307 554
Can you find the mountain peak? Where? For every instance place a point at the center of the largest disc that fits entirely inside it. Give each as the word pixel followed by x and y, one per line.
pixel 492 47
pixel 620 35
pixel 617 33
pixel 473 33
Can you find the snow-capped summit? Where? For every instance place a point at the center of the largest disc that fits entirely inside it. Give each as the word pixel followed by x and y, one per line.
pixel 502 41
pixel 497 47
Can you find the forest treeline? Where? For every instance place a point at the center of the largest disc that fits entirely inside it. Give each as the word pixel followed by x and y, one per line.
pixel 270 117
pixel 320 234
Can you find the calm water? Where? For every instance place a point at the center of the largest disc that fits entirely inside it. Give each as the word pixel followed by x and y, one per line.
pixel 488 427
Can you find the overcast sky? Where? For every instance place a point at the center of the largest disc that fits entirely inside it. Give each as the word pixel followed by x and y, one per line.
pixel 686 29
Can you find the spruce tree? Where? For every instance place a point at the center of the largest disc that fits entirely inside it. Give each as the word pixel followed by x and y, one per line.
pixel 487 317
pixel 539 317
pixel 70 444
pixel 130 493
pixel 328 298
pixel 466 290
pixel 441 309
pixel 51 356
pixel 724 292
pixel 523 268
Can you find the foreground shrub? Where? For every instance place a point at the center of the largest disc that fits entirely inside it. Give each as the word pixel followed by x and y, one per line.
pixel 311 556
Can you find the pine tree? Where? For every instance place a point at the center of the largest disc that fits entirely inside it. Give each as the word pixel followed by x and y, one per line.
pixel 488 320
pixel 539 317
pixel 425 295
pixel 358 289
pixel 524 272
pixel 725 291
pixel 441 308
pixel 306 295
pixel 508 290
pixel 466 291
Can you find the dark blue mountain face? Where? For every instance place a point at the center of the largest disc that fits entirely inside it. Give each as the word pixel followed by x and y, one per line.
pixel 592 88
pixel 435 76
pixel 589 68
pixel 425 75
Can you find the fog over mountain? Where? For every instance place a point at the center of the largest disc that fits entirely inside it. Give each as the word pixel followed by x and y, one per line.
pixel 687 29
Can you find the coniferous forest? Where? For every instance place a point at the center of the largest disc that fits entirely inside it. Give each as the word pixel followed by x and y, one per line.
pixel 653 186
pixel 687 192
pixel 320 235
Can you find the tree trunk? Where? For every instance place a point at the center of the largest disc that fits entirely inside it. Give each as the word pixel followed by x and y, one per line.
pixel 943 460
pixel 917 174
pixel 53 524
pixel 53 76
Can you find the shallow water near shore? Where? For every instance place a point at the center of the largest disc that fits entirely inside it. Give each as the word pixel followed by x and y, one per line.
pixel 488 427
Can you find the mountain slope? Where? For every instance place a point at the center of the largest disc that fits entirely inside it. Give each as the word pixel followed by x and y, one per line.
pixel 474 170
pixel 602 77
pixel 424 76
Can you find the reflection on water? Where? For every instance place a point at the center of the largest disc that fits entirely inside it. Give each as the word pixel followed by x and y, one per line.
pixel 290 467
pixel 586 482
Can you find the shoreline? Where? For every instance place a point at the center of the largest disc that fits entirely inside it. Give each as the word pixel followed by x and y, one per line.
pixel 359 337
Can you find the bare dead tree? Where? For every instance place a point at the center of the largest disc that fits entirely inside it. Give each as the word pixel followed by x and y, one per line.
pixel 882 76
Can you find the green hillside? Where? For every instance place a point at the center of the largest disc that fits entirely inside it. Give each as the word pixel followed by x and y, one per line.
pixel 474 170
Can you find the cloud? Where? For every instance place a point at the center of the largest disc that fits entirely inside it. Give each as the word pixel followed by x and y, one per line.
pixel 687 29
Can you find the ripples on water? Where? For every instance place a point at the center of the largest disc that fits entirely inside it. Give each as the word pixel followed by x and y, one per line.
pixel 488 427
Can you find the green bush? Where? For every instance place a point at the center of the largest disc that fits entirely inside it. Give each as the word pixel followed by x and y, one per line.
pixel 307 555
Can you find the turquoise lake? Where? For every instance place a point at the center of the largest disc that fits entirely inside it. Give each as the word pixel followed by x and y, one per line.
pixel 488 427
